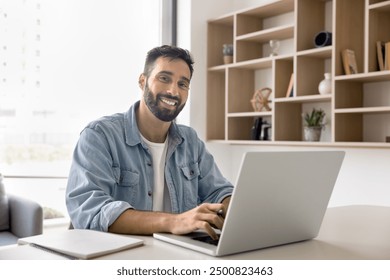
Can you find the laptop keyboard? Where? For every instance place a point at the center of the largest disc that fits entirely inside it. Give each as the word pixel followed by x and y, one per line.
pixel 207 239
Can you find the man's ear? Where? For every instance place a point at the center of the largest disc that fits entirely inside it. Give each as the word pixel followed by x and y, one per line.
pixel 142 81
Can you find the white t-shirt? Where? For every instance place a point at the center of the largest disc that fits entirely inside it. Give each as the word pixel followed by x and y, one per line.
pixel 160 194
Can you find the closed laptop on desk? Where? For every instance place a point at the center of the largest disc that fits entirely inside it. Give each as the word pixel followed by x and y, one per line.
pixel 81 243
pixel 279 198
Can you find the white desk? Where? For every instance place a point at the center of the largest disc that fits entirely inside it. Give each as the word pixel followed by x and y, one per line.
pixel 350 232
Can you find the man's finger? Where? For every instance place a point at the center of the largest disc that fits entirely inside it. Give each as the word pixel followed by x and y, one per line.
pixel 209 230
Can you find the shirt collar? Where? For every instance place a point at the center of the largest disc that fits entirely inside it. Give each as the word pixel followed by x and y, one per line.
pixel 132 133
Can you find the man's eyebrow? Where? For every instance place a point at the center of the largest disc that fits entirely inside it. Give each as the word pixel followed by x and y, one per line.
pixel 166 72
pixel 171 74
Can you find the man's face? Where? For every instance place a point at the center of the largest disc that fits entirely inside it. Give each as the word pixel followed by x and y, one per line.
pixel 166 89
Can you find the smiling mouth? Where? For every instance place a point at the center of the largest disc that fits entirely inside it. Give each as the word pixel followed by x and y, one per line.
pixel 168 101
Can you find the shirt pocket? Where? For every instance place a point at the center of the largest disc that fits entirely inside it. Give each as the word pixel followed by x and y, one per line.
pixel 190 185
pixel 190 172
pixel 128 184
pixel 128 178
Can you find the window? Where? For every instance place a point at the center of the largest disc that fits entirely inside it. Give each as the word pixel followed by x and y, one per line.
pixel 63 64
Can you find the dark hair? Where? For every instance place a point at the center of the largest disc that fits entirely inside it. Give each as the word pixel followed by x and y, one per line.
pixel 169 52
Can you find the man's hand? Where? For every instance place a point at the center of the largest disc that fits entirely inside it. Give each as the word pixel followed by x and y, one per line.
pixel 203 217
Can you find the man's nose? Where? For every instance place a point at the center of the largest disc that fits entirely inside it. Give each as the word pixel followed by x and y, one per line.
pixel 174 89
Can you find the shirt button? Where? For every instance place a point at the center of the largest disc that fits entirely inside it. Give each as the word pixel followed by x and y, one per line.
pixel 192 172
pixel 149 164
pixel 149 193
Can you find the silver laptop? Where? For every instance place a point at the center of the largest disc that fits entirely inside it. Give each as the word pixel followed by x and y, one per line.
pixel 279 198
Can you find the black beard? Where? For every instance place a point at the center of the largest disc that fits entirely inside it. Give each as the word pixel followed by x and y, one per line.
pixel 162 114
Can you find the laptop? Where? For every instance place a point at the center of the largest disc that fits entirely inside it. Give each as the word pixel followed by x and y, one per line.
pixel 279 198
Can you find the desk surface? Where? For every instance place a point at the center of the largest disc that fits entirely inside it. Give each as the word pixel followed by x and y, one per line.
pixel 349 232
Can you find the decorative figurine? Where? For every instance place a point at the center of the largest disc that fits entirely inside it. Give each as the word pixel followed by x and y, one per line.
pixel 260 100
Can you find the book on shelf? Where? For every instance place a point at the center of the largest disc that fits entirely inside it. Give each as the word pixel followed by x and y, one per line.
pixel 290 88
pixel 387 56
pixel 380 52
pixel 80 243
pixel 349 61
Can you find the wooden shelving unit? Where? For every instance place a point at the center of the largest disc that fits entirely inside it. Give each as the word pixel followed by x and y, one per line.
pixel 358 109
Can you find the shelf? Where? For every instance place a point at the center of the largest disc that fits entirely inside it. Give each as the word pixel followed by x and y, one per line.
pixel 254 64
pixel 381 7
pixel 250 114
pixel 357 109
pixel 378 76
pixel 264 36
pixel 219 68
pixel 373 110
pixel 324 52
pixel 224 20
pixel 274 8
pixel 305 99
pixel 379 145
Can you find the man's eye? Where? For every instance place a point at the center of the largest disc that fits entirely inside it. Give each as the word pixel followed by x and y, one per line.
pixel 184 86
pixel 164 79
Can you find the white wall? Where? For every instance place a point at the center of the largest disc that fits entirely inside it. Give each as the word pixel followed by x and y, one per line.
pixel 364 177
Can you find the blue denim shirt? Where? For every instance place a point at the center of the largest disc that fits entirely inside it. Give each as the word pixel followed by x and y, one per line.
pixel 112 171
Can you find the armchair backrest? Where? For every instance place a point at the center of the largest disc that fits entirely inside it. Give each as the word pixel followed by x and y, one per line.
pixel 4 209
pixel 19 217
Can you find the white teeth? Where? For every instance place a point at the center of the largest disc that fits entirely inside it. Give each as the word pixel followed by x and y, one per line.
pixel 171 103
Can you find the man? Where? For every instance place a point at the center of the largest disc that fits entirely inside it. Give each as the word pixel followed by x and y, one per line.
pixel 139 172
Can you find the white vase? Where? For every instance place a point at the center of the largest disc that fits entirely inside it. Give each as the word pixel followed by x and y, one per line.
pixel 325 86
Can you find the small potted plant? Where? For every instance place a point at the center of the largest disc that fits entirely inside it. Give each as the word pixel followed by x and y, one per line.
pixel 227 51
pixel 313 124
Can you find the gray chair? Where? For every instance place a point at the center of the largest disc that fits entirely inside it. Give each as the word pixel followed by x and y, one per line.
pixel 19 217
